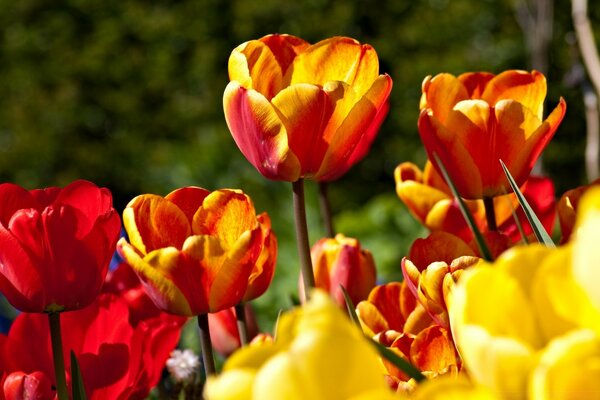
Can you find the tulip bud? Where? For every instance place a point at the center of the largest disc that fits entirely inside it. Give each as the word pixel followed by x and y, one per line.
pixel 341 262
pixel 22 386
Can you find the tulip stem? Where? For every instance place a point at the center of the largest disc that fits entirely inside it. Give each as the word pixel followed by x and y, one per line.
pixel 490 214
pixel 57 352
pixel 242 325
pixel 325 206
pixel 302 237
pixel 206 345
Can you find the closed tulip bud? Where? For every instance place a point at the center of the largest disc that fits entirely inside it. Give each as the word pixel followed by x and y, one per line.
pixel 298 110
pixel 341 261
pixel 22 386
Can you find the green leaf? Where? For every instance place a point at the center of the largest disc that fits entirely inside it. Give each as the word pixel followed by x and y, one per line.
pixel 383 351
pixel 536 225
pixel 481 244
pixel 77 380
pixel 398 361
pixel 350 307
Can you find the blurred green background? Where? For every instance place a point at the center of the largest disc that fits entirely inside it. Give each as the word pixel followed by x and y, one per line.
pixel 128 94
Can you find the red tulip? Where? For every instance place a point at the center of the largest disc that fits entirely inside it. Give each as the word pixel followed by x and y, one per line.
pixel 224 332
pixel 118 360
pixel 474 120
pixel 22 386
pixel 55 245
pixel 298 110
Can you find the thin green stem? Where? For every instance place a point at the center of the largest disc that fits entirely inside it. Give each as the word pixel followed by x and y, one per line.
pixel 242 325
pixel 325 206
pixel 57 352
pixel 490 213
pixel 208 358
pixel 302 237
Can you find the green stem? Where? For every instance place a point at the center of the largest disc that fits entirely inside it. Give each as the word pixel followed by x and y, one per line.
pixel 208 358
pixel 242 325
pixel 325 206
pixel 57 352
pixel 490 214
pixel 302 237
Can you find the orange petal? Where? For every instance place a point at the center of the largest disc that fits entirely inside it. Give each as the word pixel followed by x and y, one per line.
pixel 337 59
pixel 475 82
pixel 285 48
pixel 438 246
pixel 520 163
pixel 433 350
pixel 264 268
pixel 305 111
pixel 254 66
pixel 188 199
pixel 226 214
pixel 387 300
pixel 456 158
pixel 371 319
pixel 529 89
pixel 441 93
pixel 161 271
pixel 259 133
pixel 153 222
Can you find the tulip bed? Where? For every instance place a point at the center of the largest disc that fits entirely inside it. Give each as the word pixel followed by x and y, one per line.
pixel 489 306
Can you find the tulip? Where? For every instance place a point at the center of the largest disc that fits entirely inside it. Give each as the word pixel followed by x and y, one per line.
pixel 297 110
pixel 319 354
pixel 340 261
pixel 22 386
pixel 118 360
pixel 196 251
pixel 431 202
pixel 224 331
pixel 567 209
pixel 56 245
pixel 476 119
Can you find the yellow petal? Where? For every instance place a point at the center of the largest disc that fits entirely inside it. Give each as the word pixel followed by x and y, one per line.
pixel 529 89
pixel 451 388
pixel 231 385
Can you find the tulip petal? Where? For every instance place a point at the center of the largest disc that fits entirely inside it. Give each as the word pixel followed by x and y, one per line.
pixel 475 82
pixel 438 246
pixel 305 111
pixel 441 93
pixel 153 222
pixel 529 89
pixel 433 350
pixel 158 271
pixel 259 133
pixel 264 268
pixel 13 198
pixel 189 199
pixel 337 59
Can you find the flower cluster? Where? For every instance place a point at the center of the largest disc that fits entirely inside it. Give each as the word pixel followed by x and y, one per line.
pixel 488 306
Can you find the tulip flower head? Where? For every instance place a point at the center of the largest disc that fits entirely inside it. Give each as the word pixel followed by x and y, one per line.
pixel 476 119
pixel 55 245
pixel 196 251
pixel 298 110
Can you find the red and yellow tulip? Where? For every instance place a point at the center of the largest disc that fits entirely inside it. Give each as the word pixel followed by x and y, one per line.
pixel 196 251
pixel 431 202
pixel 298 110
pixel 341 261
pixel 476 119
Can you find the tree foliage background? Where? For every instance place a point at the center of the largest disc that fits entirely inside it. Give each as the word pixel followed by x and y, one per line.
pixel 128 94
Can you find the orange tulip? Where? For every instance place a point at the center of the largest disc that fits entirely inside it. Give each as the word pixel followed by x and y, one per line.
pixel 195 251
pixel 341 261
pixel 431 202
pixel 474 120
pixel 297 110
pixel 567 209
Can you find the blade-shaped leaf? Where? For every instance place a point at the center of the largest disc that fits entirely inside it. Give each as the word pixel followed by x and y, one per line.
pixel 77 380
pixel 481 244
pixel 536 225
pixel 398 361
pixel 350 307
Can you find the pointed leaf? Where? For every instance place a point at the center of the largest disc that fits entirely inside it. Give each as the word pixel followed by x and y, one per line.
pixel 77 380
pixel 534 221
pixel 483 248
pixel 398 361
pixel 350 307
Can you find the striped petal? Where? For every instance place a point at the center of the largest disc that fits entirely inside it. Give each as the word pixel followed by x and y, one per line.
pixel 441 93
pixel 259 133
pixel 529 89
